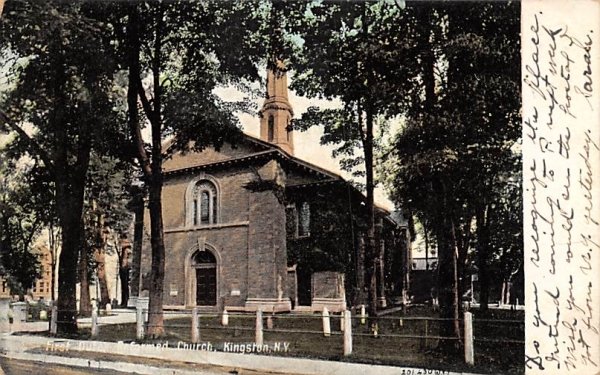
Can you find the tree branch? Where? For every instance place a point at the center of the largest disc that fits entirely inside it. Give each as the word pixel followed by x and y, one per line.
pixel 137 132
pixel 135 90
pixel 34 228
pixel 361 131
pixel 38 150
pixel 144 99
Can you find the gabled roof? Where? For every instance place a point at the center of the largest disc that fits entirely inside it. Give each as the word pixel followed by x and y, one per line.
pixel 270 151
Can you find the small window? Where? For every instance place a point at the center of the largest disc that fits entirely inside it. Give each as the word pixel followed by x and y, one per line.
pixel 271 128
pixel 195 205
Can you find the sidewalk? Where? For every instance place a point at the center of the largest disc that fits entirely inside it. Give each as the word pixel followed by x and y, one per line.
pixel 117 316
pixel 146 359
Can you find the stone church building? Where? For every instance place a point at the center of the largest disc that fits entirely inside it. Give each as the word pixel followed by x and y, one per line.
pixel 250 226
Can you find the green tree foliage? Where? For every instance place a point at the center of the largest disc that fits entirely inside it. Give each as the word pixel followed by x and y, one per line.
pixel 456 160
pixel 353 52
pixel 19 226
pixel 61 76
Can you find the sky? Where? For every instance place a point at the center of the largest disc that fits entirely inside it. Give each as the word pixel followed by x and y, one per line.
pixel 307 144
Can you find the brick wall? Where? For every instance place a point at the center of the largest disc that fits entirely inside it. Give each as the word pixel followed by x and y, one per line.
pixel 249 239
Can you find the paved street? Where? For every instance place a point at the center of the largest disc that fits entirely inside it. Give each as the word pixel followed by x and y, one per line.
pixel 17 367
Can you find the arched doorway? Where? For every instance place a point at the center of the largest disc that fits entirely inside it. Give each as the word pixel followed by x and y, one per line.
pixel 204 265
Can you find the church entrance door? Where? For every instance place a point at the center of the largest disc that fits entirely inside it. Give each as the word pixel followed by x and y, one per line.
pixel 206 286
pixel 206 278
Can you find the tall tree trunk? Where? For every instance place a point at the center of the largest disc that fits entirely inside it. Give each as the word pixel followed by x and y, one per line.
pixel 367 141
pixel 69 179
pixel 152 169
pixel 52 242
pixel 382 295
pixel 371 258
pixel 155 319
pixel 482 255
pixel 85 305
pixel 360 271
pixel 138 232
pixel 447 283
pixel 70 215
pixel 446 286
pixel 456 286
pixel 70 183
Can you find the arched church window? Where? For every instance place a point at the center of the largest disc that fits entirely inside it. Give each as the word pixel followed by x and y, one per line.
pixel 271 128
pixel 204 203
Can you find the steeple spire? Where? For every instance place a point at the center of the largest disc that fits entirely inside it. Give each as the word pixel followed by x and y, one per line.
pixel 276 113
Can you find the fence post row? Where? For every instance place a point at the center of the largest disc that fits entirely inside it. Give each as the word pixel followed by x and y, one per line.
pixel 259 328
pixel 469 349
pixel 139 322
pixel 94 322
pixel 53 319
pixel 195 326
pixel 347 332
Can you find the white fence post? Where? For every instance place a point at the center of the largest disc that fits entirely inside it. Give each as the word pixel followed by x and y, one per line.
pixel 259 328
pixel 195 326
pixel 139 320
pixel 326 323
pixel 53 319
pixel 94 322
pixel 225 318
pixel 347 333
pixel 363 315
pixel 469 349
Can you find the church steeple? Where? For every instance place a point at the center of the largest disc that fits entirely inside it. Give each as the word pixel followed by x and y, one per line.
pixel 276 113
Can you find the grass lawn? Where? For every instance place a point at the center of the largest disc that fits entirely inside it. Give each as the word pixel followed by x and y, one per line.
pixel 490 357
